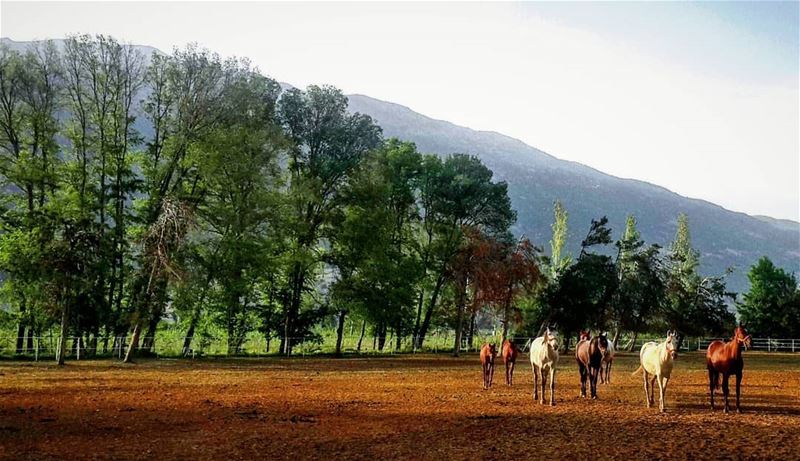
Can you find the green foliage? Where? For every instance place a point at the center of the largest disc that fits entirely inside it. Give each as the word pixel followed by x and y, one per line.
pixel 772 306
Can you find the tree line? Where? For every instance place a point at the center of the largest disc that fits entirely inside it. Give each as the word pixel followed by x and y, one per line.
pixel 185 185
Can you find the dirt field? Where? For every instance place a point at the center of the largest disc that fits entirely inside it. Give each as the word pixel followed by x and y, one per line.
pixel 409 407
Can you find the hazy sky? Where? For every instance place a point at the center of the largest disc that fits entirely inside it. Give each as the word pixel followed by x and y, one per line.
pixel 701 98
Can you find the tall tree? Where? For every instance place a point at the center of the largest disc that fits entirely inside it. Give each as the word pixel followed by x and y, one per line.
pixel 694 305
pixel 329 144
pixel 456 193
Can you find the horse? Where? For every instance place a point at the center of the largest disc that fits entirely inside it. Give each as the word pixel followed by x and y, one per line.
pixel 605 368
pixel 488 354
pixel 589 354
pixel 544 358
pixel 726 358
pixel 656 361
pixel 510 352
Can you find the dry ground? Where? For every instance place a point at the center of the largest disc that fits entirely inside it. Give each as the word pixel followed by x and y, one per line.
pixel 408 407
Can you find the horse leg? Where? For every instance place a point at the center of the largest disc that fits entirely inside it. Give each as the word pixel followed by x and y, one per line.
pixel 738 383
pixel 712 384
pixel 593 372
pixel 608 373
pixel 483 373
pixel 662 387
pixel 544 383
pixel 535 382
pixel 552 386
pixel 725 390
pixel 511 374
pixel 584 372
pixel 491 374
pixel 646 390
pixel 652 389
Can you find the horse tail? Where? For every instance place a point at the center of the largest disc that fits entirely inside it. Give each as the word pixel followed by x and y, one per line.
pixel 637 371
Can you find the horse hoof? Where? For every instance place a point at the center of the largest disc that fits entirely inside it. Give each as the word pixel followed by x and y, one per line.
pixel 738 410
pixel 552 404
pixel 594 397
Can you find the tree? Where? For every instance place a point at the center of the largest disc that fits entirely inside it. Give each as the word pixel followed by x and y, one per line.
pixel 558 262
pixel 456 194
pixel 772 305
pixel 640 290
pixel 371 242
pixel 580 297
pixel 328 145
pixel 694 305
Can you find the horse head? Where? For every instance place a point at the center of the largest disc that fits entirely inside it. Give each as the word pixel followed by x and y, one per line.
pixel 493 350
pixel 602 344
pixel 741 337
pixel 671 344
pixel 551 338
pixel 584 335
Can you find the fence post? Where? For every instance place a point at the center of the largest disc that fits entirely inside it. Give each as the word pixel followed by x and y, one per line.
pixel 792 345
pixel 769 345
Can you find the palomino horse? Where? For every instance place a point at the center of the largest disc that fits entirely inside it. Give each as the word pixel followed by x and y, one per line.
pixel 510 352
pixel 590 353
pixel 488 353
pixel 656 361
pixel 727 359
pixel 605 368
pixel 544 358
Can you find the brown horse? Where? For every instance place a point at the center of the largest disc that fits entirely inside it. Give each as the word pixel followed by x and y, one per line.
pixel 726 358
pixel 589 354
pixel 488 353
pixel 510 352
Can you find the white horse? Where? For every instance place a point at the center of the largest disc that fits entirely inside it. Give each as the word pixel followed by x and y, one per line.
pixel 657 360
pixel 544 358
pixel 605 365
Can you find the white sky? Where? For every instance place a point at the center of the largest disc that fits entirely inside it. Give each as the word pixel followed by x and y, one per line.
pixel 699 98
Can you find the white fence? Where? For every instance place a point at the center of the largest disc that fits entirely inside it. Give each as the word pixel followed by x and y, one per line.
pixel 438 341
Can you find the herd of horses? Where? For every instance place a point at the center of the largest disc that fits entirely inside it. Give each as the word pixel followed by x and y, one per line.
pixel 595 354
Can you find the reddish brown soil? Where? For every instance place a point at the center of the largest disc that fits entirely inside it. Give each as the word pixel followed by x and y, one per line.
pixel 409 407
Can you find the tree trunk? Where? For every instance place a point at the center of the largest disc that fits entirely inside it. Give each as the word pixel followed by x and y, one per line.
pixel 426 323
pixel 615 342
pixel 505 322
pixel 187 340
pixel 361 337
pixel 21 328
pixel 62 339
pixel 340 332
pixel 381 336
pixel 31 334
pixel 471 331
pixel 148 343
pixel 633 341
pixel 134 344
pixel 398 337
pixel 298 282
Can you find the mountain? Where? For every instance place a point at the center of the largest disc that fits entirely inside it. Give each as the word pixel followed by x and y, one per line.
pixel 536 179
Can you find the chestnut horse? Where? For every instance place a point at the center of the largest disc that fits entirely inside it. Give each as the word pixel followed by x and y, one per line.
pixel 510 352
pixel 726 358
pixel 589 354
pixel 488 353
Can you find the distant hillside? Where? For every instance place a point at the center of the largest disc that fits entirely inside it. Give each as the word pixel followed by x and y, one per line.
pixel 536 179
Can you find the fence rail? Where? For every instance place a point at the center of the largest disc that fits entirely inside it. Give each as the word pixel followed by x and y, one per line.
pixel 440 341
